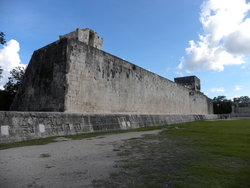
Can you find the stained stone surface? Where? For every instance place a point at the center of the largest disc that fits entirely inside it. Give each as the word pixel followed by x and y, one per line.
pixel 71 76
pixel 18 126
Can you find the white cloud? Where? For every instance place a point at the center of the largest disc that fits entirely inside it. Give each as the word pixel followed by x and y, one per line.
pixel 181 64
pixel 238 88
pixel 238 41
pixel 9 59
pixel 226 36
pixel 217 90
pixel 179 73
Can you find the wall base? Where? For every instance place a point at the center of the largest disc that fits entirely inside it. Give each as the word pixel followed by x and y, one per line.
pixel 19 126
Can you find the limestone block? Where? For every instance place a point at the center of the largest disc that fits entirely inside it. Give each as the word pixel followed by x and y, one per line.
pixel 4 130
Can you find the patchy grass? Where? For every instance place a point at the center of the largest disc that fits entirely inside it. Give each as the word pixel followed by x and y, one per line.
pixel 222 151
pixel 40 141
pixel 43 141
pixel 197 154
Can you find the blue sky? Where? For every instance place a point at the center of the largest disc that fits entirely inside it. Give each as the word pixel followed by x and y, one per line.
pixel 153 34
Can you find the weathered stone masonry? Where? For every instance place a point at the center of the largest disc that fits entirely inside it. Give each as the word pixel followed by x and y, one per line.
pixel 18 126
pixel 82 89
pixel 71 76
pixel 44 83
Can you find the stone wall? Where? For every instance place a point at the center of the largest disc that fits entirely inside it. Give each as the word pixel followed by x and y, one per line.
pixel 44 82
pixel 70 76
pixel 18 126
pixel 242 110
pixel 99 82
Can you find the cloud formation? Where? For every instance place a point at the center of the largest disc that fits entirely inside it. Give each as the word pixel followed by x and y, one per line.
pixel 217 90
pixel 9 59
pixel 226 37
pixel 238 88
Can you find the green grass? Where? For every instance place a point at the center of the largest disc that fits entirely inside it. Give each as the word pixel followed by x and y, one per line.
pixel 43 141
pixel 223 152
pixel 200 154
pixel 32 142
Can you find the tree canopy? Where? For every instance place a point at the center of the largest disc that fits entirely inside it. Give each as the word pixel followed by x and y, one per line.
pixel 1 71
pixel 2 39
pixel 15 80
pixel 10 88
pixel 222 105
pixel 242 100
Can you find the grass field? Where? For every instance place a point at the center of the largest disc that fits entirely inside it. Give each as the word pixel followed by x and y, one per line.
pixel 222 152
pixel 198 154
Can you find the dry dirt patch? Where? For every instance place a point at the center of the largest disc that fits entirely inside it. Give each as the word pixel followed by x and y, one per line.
pixel 66 163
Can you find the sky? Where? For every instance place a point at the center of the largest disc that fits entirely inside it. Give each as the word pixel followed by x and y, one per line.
pixel 206 38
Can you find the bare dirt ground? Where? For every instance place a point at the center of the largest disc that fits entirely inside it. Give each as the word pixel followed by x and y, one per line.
pixel 66 163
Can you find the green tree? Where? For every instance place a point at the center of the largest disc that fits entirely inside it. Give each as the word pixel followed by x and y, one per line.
pixel 15 80
pixel 242 99
pixel 10 88
pixel 222 105
pixel 1 71
pixel 2 39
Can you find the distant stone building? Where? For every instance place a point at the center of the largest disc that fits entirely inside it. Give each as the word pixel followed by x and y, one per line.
pixel 74 75
pixel 190 82
pixel 239 108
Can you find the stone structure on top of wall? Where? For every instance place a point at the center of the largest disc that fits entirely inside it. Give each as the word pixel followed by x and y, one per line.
pixel 73 75
pixel 87 36
pixel 191 82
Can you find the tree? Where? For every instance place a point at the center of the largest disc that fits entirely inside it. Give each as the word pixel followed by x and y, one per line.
pixel 1 71
pixel 242 100
pixel 11 87
pixel 15 80
pixel 2 39
pixel 222 105
pixel 220 99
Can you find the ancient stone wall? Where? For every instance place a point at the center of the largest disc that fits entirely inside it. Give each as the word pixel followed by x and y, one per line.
pixel 44 84
pixel 18 126
pixel 71 76
pixel 99 82
pixel 241 109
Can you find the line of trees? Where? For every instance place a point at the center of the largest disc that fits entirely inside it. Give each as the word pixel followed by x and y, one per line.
pixel 222 105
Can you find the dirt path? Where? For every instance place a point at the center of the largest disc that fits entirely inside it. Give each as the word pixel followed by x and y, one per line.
pixel 66 163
